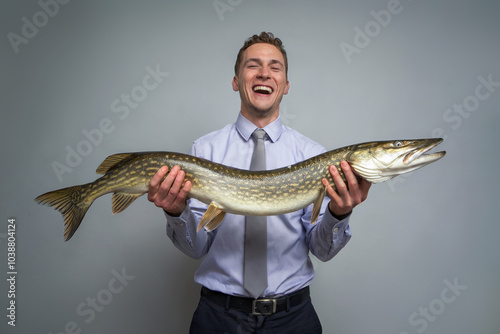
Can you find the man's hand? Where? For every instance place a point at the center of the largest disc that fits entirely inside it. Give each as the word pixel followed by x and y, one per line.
pixel 347 197
pixel 169 194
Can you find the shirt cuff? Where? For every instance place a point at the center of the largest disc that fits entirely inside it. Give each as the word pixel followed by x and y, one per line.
pixel 337 224
pixel 341 217
pixel 180 220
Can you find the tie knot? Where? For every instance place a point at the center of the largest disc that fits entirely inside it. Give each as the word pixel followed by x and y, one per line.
pixel 259 134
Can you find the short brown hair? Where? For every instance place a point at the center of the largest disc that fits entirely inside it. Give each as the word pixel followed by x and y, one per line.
pixel 264 37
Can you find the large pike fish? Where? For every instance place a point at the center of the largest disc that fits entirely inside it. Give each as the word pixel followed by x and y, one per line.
pixel 237 191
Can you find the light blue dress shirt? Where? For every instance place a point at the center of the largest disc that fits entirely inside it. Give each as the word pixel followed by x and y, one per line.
pixel 290 236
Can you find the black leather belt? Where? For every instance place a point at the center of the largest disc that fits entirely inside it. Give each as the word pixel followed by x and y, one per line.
pixel 264 306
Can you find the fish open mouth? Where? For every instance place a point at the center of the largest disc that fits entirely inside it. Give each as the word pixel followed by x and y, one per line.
pixel 420 156
pixel 261 89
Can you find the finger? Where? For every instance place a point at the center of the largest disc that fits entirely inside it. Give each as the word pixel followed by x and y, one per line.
pixel 157 178
pixel 352 181
pixel 344 202
pixel 364 188
pixel 330 192
pixel 183 194
pixel 176 185
pixel 167 183
pixel 337 204
pixel 176 199
pixel 339 182
pixel 361 184
pixel 155 182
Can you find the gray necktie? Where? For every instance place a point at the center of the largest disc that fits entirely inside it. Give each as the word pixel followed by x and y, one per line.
pixel 255 269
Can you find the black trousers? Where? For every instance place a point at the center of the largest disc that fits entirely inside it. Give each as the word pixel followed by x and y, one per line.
pixel 210 318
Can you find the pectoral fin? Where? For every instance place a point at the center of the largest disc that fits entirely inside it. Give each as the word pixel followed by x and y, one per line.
pixel 212 218
pixel 317 205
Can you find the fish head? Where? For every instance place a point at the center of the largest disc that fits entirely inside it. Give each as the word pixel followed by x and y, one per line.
pixel 381 161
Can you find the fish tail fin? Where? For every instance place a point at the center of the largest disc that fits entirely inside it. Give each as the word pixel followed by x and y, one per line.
pixel 72 205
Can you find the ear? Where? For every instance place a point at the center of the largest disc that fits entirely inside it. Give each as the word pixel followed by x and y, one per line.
pixel 287 87
pixel 235 84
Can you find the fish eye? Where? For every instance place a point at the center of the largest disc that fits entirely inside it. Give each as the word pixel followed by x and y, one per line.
pixel 398 144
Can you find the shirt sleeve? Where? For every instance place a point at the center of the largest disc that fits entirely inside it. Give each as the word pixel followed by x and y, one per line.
pixel 182 230
pixel 328 235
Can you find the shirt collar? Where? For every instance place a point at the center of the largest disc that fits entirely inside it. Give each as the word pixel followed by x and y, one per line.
pixel 246 128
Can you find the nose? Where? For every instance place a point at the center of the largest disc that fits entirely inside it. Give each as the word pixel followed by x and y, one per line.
pixel 263 73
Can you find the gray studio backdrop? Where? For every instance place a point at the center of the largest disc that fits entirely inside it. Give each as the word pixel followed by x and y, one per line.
pixel 81 80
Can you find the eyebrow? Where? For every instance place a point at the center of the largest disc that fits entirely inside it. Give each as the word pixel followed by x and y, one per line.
pixel 259 61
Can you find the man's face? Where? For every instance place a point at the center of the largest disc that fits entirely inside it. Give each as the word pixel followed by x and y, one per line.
pixel 261 80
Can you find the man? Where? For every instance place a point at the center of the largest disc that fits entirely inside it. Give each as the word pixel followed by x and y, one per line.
pixel 227 305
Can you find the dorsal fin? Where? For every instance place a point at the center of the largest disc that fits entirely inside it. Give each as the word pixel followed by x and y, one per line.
pixel 114 160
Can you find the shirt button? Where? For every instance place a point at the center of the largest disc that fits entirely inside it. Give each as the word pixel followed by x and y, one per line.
pixel 335 230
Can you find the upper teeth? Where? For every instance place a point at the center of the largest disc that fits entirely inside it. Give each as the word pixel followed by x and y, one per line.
pixel 265 88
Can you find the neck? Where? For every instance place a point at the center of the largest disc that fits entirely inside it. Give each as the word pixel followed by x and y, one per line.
pixel 261 119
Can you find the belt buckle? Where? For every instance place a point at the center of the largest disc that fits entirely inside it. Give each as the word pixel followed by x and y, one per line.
pixel 264 306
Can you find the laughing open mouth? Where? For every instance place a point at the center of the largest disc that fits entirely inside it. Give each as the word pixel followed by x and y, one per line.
pixel 262 89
